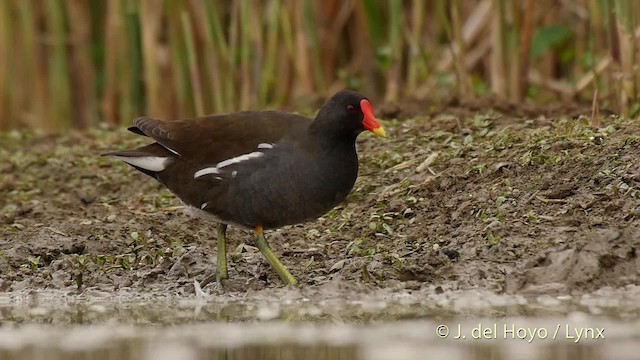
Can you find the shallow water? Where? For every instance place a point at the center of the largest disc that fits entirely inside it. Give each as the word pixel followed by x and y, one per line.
pixel 287 325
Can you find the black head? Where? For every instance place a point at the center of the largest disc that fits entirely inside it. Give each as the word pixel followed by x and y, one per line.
pixel 346 114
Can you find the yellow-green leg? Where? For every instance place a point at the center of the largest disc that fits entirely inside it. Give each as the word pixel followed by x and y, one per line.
pixel 222 273
pixel 272 259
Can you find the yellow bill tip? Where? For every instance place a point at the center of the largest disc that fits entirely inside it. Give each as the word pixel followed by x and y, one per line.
pixel 379 131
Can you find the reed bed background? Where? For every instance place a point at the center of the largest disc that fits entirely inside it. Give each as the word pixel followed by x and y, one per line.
pixel 79 63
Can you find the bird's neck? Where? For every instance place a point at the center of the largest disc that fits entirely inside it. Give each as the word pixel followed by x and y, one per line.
pixel 331 137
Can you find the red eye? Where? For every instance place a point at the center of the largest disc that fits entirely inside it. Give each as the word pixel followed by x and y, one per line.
pixel 351 108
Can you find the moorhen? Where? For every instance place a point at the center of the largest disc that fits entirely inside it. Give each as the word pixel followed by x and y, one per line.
pixel 257 169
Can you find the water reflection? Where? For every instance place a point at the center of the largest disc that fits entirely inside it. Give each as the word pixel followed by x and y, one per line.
pixel 128 350
pixel 171 312
pixel 466 339
pixel 187 349
pixel 477 327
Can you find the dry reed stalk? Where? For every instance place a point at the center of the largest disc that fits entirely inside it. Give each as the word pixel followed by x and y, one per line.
pixel 636 51
pixel 498 73
pixel 192 63
pixel 256 42
pixel 244 54
pixel 219 56
pixel 327 35
pixel 5 92
pixel 561 87
pixel 211 66
pixel 153 56
pixel 338 28
pixel 414 30
pixel 583 34
pixel 515 60
pixel 272 36
pixel 311 25
pixel 626 41
pixel 26 66
pixel 614 51
pixel 373 20
pixel 130 66
pixel 285 70
pixel 369 49
pixel 190 57
pixel 285 75
pixel 472 31
pixel 202 41
pixel 301 57
pixel 59 89
pixel 234 56
pixel 598 47
pixel 634 72
pixel 590 77
pixel 525 51
pixel 624 85
pixel 464 80
pixel 395 43
pixel 112 53
pixel 595 111
pixel 477 53
pixel 180 75
pixel 83 79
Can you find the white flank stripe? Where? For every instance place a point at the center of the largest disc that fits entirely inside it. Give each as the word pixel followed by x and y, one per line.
pixel 170 149
pixel 204 205
pixel 152 163
pixel 206 171
pixel 238 159
pixel 235 160
pixel 265 146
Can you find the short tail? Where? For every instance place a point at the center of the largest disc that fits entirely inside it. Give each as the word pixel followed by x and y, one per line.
pixel 150 159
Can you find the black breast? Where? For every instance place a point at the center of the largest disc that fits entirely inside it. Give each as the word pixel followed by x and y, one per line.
pixel 288 186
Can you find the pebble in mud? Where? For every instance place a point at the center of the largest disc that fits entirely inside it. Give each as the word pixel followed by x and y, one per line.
pixel 111 218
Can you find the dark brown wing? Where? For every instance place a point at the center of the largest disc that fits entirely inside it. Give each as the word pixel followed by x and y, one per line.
pixel 184 147
pixel 219 137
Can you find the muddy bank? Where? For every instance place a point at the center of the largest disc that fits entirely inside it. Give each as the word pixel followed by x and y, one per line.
pixel 518 203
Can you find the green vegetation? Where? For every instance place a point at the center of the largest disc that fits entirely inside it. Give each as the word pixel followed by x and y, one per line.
pixel 75 64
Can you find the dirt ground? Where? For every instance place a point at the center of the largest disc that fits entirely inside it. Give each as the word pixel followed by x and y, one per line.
pixel 517 200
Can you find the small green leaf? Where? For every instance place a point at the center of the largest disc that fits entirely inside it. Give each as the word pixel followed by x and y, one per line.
pixel 546 38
